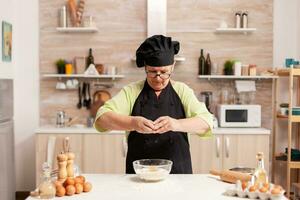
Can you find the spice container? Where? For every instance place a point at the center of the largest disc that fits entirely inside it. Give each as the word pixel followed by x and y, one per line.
pixel 237 68
pixel 238 20
pixel 88 21
pixel 252 70
pixel 63 17
pixel 245 20
pixel 245 70
pixel 69 68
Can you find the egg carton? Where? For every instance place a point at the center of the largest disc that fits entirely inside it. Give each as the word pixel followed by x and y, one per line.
pixel 273 192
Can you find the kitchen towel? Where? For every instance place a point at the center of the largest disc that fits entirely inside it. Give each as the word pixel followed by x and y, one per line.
pixel 245 86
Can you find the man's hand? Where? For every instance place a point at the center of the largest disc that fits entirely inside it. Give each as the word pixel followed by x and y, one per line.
pixel 142 125
pixel 165 123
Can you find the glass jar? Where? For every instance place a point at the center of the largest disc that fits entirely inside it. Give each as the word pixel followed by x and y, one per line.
pixel 46 188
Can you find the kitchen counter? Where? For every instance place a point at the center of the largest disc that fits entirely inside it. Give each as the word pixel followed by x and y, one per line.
pixel 75 130
pixel 187 187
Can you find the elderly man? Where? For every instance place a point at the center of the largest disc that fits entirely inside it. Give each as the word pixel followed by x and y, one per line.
pixel 157 112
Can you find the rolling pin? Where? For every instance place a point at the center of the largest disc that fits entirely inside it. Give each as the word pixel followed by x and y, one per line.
pixel 231 176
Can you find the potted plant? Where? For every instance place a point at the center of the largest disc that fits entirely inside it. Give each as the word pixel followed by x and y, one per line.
pixel 60 64
pixel 228 67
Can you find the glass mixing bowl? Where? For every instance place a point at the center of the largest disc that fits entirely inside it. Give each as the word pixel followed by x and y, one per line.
pixel 152 169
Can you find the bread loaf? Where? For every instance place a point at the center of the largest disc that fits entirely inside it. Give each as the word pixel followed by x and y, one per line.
pixel 80 10
pixel 72 12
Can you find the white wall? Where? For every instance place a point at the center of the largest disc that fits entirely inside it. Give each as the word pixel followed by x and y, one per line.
pixel 286 31
pixel 7 13
pixel 26 92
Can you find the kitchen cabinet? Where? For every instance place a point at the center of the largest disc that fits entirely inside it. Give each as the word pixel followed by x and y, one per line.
pixel 103 154
pixel 205 153
pixel 106 153
pixel 227 151
pixel 95 153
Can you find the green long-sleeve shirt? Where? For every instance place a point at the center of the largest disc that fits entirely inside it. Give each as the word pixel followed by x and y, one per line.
pixel 123 103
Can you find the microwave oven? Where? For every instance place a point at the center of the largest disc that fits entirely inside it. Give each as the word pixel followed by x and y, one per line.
pixel 239 115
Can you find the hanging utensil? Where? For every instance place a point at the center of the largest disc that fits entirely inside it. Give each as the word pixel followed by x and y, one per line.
pixel 84 94
pixel 79 104
pixel 89 100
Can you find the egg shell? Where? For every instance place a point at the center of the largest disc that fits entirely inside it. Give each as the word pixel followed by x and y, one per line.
pixel 69 181
pixel 60 191
pixel 78 188
pixel 81 177
pixel 70 190
pixel 87 187
pixel 78 180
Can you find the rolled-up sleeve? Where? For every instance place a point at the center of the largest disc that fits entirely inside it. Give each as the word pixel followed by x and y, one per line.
pixel 120 104
pixel 194 108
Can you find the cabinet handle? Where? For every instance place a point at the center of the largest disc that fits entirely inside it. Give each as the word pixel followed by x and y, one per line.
pixel 227 147
pixel 218 147
pixel 124 142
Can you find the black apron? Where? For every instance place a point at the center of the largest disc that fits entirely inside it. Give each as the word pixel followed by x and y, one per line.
pixel 171 145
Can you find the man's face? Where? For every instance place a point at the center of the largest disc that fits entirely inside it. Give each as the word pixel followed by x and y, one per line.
pixel 158 77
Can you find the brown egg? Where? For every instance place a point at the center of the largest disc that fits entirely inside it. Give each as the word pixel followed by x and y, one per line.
pixel 275 191
pixel 60 191
pixel 78 188
pixel 70 190
pixel 87 187
pixel 278 187
pixel 266 185
pixel 244 185
pixel 253 188
pixel 78 180
pixel 263 189
pixel 69 181
pixel 82 178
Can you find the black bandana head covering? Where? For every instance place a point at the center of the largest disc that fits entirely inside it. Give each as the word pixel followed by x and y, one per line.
pixel 157 51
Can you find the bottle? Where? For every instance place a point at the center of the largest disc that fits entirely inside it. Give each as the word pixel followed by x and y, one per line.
pixel 207 65
pixel 245 20
pixel 238 20
pixel 201 70
pixel 90 59
pixel 63 17
pixel 237 68
pixel 260 174
pixel 46 188
pixel 69 68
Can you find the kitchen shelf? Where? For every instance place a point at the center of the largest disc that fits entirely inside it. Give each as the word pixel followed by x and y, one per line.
pixel 83 76
pixel 235 77
pixel 77 29
pixel 286 72
pixel 293 164
pixel 235 30
pixel 292 74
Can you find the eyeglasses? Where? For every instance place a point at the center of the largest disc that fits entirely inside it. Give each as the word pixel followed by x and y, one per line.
pixel 161 75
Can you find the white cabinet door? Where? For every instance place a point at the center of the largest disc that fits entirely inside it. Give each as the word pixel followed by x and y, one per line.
pixel 206 153
pixel 103 153
pixel 240 150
